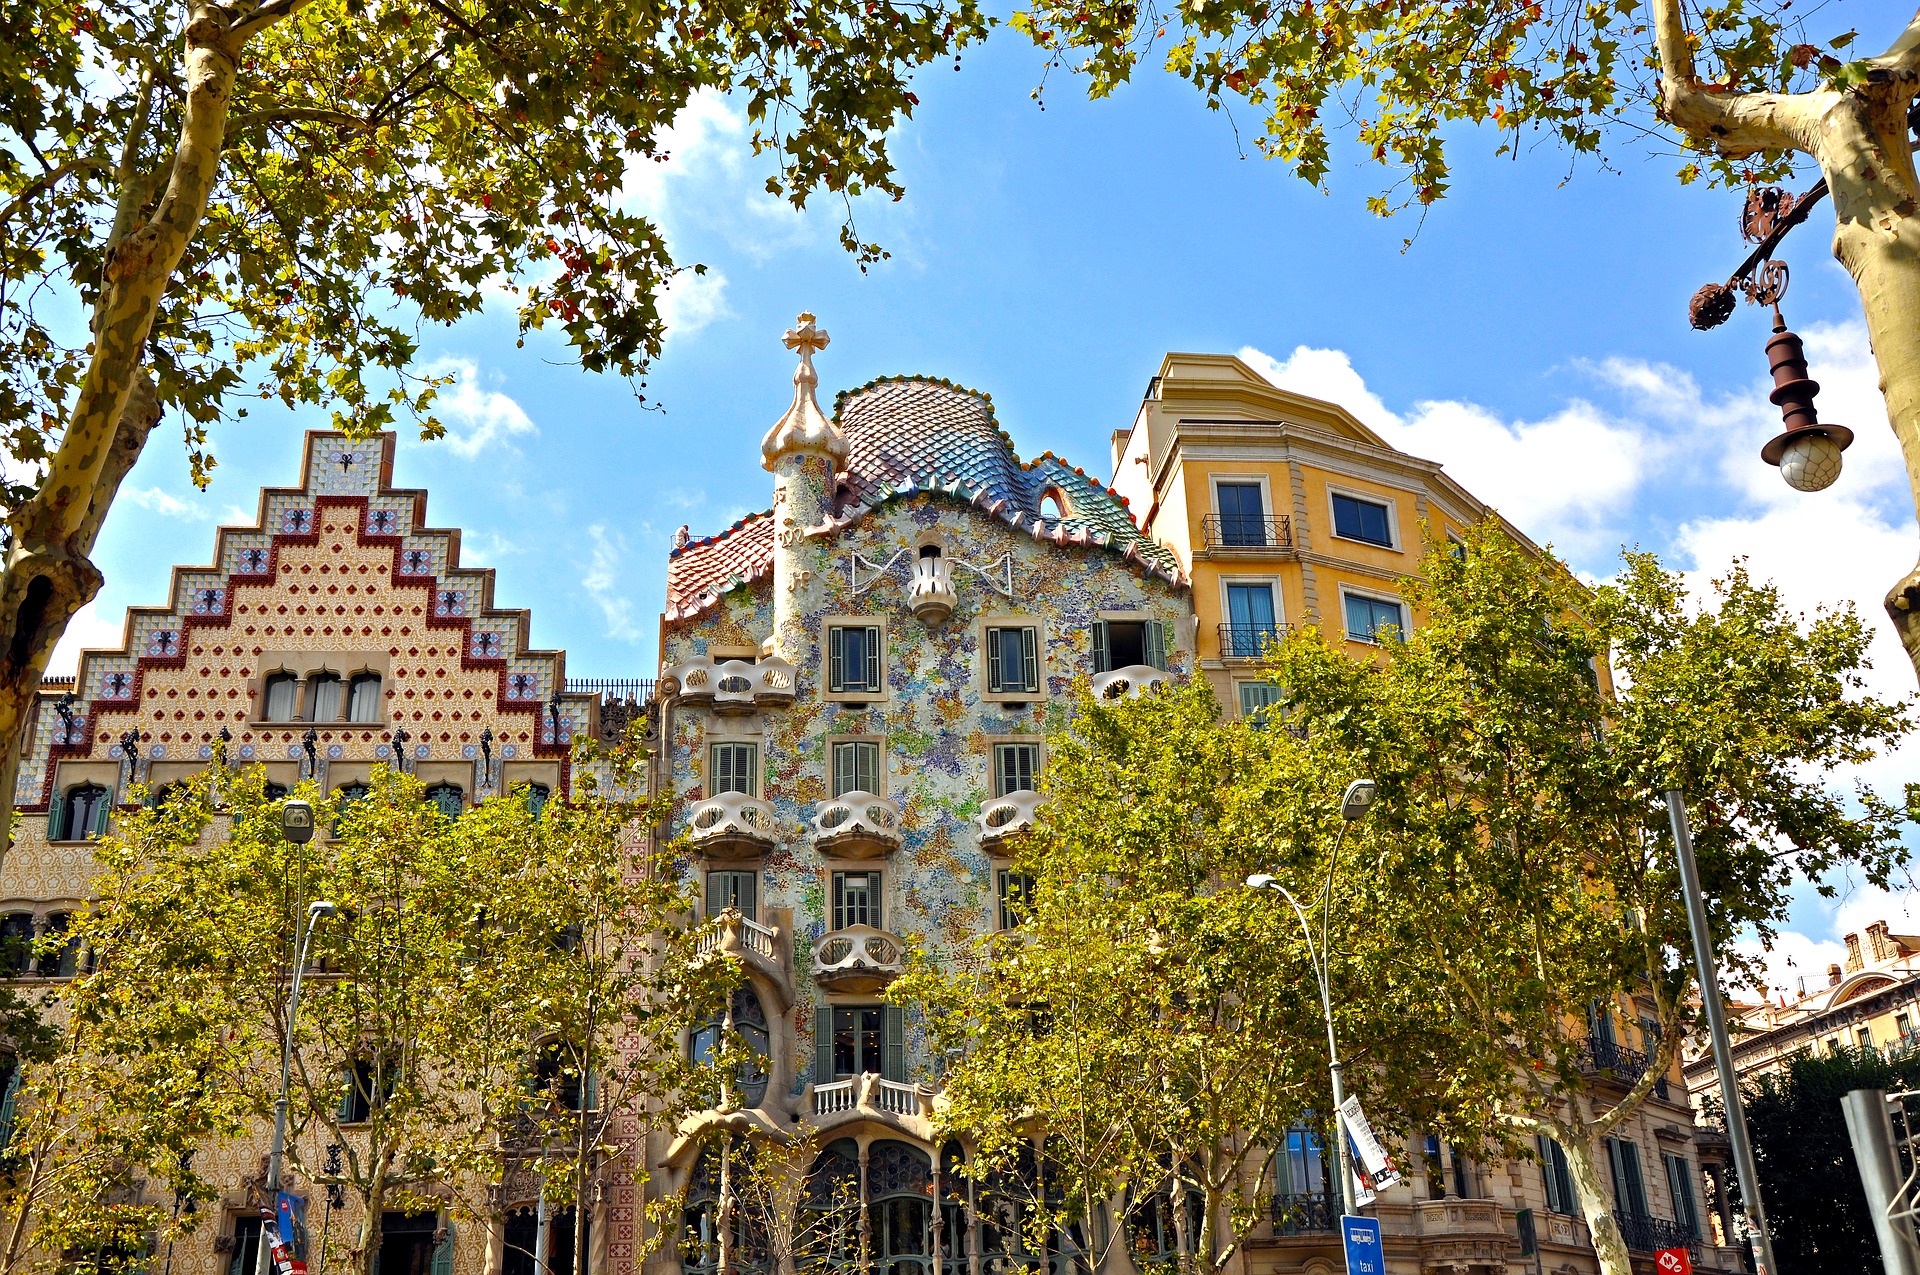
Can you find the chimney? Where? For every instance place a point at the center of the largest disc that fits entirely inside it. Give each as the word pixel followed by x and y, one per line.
pixel 1853 953
pixel 1833 976
pixel 1880 943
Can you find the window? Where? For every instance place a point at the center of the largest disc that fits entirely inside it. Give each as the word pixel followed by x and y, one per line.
pixel 63 960
pixel 1366 617
pixel 737 890
pixel 10 1077
pixel 856 767
pixel 323 697
pixel 750 1025
pixel 1903 1023
pixel 407 1245
pixel 273 792
pixel 537 797
pixel 16 944
pixel 1124 643
pixel 862 1038
pixel 370 1081
pixel 853 659
pixel 1357 519
pixel 1553 1164
pixel 856 899
pixel 1431 1168
pixel 1629 1190
pixel 1250 620
pixel 363 698
pixel 1680 1184
pixel 1833 1044
pixel 1243 514
pixel 1462 1174
pixel 1600 1023
pixel 1015 890
pixel 279 699
pixel 557 1077
pixel 79 813
pixel 246 1246
pixel 736 768
pixel 1864 1036
pixel 1015 768
pixel 451 798
pixel 1013 665
pixel 1303 1182
pixel 1256 698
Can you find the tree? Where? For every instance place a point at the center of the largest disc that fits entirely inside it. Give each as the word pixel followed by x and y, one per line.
pixel 1155 1023
pixel 1517 866
pixel 1815 1203
pixel 1740 84
pixel 267 198
pixel 430 1011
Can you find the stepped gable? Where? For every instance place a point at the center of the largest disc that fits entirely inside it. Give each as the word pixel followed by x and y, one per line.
pixel 913 435
pixel 701 571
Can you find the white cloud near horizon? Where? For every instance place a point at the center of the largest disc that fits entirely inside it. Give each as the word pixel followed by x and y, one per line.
pixel 476 418
pixel 602 582
pixel 165 503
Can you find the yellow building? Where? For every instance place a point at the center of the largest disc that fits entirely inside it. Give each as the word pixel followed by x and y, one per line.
pixel 1282 510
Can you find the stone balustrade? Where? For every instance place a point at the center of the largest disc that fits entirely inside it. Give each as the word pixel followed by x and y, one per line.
pixel 872 1093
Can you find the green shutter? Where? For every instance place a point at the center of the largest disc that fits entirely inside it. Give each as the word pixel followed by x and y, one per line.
pixel 443 1253
pixel 873 659
pixel 839 900
pixel 893 1031
pixel 836 659
pixel 823 1045
pixel 996 675
pixel 716 898
pixel 7 1106
pixel 746 895
pixel 589 1091
pixel 1100 658
pixel 102 811
pixel 56 811
pixel 345 1112
pixel 1154 639
pixel 1030 660
pixel 1554 1202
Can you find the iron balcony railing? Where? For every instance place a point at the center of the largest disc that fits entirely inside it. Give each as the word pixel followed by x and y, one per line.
pixel 1304 1214
pixel 1248 641
pixel 1246 531
pixel 1616 1062
pixel 1645 1234
pixel 637 689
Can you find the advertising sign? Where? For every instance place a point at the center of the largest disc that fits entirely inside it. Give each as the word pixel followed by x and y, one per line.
pixel 1673 1261
pixel 1379 1171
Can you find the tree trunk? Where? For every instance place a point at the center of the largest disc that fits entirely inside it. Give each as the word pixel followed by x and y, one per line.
pixel 1608 1244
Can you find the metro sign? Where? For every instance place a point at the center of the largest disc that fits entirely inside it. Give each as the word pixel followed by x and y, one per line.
pixel 1673 1261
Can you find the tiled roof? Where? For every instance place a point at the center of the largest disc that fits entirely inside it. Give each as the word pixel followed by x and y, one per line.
pixel 913 435
pixel 701 571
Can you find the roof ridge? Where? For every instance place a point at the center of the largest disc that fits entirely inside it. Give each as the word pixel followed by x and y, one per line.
pixel 718 535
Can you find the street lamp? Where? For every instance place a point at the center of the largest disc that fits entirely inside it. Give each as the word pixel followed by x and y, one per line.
pixel 1354 804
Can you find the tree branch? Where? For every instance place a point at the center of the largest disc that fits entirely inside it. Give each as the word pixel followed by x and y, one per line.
pixel 265 16
pixel 44 181
pixel 239 123
pixel 1904 53
pixel 1731 123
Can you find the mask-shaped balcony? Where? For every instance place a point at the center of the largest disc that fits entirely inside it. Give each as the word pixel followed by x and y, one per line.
pixel 1003 819
pixel 732 686
pixel 858 959
pixel 857 825
pixel 1125 683
pixel 731 826
pixel 930 589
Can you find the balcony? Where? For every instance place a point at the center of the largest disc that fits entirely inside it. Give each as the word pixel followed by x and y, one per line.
pixel 1610 1060
pixel 1645 1234
pixel 1458 1234
pixel 1248 641
pixel 732 686
pixel 857 825
pixel 1004 819
pixel 1233 535
pixel 1313 1213
pixel 1125 683
pixel 930 590
pixel 871 1093
pixel 858 959
pixel 732 826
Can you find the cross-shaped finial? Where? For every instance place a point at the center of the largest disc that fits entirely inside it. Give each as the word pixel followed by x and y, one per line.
pixel 806 338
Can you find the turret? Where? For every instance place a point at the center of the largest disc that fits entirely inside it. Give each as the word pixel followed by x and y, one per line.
pixel 803 450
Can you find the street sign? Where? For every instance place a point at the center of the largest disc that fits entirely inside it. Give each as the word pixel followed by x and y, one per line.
pixel 1361 1237
pixel 1673 1261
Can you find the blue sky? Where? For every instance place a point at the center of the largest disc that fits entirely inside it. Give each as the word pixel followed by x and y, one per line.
pixel 1533 338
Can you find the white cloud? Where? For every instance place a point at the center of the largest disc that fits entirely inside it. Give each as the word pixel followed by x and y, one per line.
pixel 691 301
pixel 602 583
pixel 155 500
pixel 1565 478
pixel 475 418
pixel 87 630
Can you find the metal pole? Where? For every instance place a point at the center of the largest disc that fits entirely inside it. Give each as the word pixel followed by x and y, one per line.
pixel 1872 1136
pixel 1333 1049
pixel 277 1151
pixel 540 1232
pixel 1717 1028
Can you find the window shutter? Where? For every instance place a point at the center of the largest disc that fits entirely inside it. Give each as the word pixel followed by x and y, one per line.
pixel 996 670
pixel 894 1057
pixel 1636 1187
pixel 839 901
pixel 1154 639
pixel 1100 646
pixel 822 1045
pixel 1029 660
pixel 443 1253
pixel 836 659
pixel 8 1105
pixel 872 682
pixel 746 894
pixel 716 894
pixel 1546 1174
pixel 1681 1178
pixel 866 759
pixel 590 1092
pixel 56 813
pixel 345 1111
pixel 845 768
pixel 102 810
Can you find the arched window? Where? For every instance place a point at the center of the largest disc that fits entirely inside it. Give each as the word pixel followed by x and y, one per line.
pixel 323 697
pixel 166 794
pixel 451 798
pixel 557 1077
pixel 62 961
pixel 346 794
pixel 274 792
pixel 900 1204
pixel 750 1025
pixel 929 551
pixel 79 813
pixel 363 698
pixel 16 944
pixel 1154 1233
pixel 277 703
pixel 956 1206
pixel 826 1237
pixel 700 1215
pixel 1053 504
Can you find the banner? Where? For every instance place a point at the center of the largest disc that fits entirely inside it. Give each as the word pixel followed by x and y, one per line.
pixel 1377 1171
